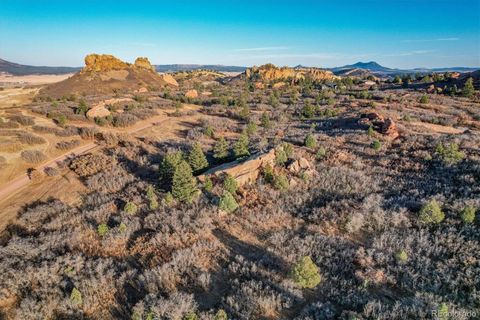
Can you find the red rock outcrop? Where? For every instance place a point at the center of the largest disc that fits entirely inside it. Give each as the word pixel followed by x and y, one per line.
pixel 243 172
pixel 380 124
pixel 143 62
pixel 191 94
pixel 269 72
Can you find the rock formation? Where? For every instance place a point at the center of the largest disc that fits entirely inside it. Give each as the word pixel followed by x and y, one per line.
pixel 191 94
pixel 169 79
pixel 105 74
pixel 269 72
pixel 102 63
pixel 380 124
pixel 142 62
pixel 100 109
pixel 243 172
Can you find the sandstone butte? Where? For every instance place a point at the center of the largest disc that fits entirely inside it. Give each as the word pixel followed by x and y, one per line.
pixel 269 72
pixel 105 74
pixel 106 62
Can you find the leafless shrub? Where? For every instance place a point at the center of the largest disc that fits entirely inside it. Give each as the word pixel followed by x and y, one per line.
pixel 111 180
pixel 142 113
pixel 108 138
pixel 88 133
pixel 23 120
pixel 44 129
pixel 33 156
pixel 9 125
pixel 89 164
pixel 51 171
pixel 68 132
pixel 67 145
pixel 31 139
pixel 124 120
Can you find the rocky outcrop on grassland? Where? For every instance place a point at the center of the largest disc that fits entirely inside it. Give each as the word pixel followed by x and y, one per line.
pixel 270 72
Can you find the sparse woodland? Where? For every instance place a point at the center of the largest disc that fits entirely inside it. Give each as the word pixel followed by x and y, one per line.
pixel 376 227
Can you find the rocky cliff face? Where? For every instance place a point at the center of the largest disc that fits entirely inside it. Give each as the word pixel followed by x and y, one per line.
pixel 106 62
pixel 269 72
pixel 142 62
pixel 102 63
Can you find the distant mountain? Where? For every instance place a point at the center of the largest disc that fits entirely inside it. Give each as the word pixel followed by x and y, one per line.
pixel 190 67
pixel 20 69
pixel 380 70
pixel 371 66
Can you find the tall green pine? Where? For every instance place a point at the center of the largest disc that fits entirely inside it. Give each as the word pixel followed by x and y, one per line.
pixel 220 150
pixel 241 146
pixel 197 159
pixel 169 164
pixel 184 186
pixel 468 89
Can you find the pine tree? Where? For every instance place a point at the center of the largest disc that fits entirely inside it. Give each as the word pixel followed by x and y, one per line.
pixel 431 213
pixel 197 159
pixel 220 150
pixel 265 120
pixel 305 273
pixel 184 187
pixel 169 164
pixel 241 146
pixel 230 184
pixel 310 141
pixel 227 202
pixel 468 89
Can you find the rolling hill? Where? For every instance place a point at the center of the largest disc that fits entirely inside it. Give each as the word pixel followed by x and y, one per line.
pixel 20 69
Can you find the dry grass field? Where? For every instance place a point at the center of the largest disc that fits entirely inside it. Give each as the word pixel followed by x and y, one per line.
pixel 312 199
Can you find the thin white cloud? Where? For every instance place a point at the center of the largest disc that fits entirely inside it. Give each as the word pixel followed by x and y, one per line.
pixel 261 49
pixel 431 40
pixel 409 53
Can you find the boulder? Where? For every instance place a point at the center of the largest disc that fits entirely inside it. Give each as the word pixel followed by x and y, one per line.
pixel 169 79
pixel 144 63
pixel 259 85
pixel 142 90
pixel 100 109
pixel 279 85
pixel 191 94
pixel 380 124
pixel 389 128
pixel 299 165
pixel 243 172
pixel 98 112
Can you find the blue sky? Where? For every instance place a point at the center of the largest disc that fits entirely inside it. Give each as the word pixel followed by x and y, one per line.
pixel 395 33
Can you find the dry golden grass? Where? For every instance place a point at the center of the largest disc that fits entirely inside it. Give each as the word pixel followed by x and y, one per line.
pixel 10 147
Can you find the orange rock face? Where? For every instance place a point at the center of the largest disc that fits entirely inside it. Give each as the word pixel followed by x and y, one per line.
pixel 269 72
pixel 243 172
pixel 380 124
pixel 169 79
pixel 103 62
pixel 191 94
pixel 142 62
